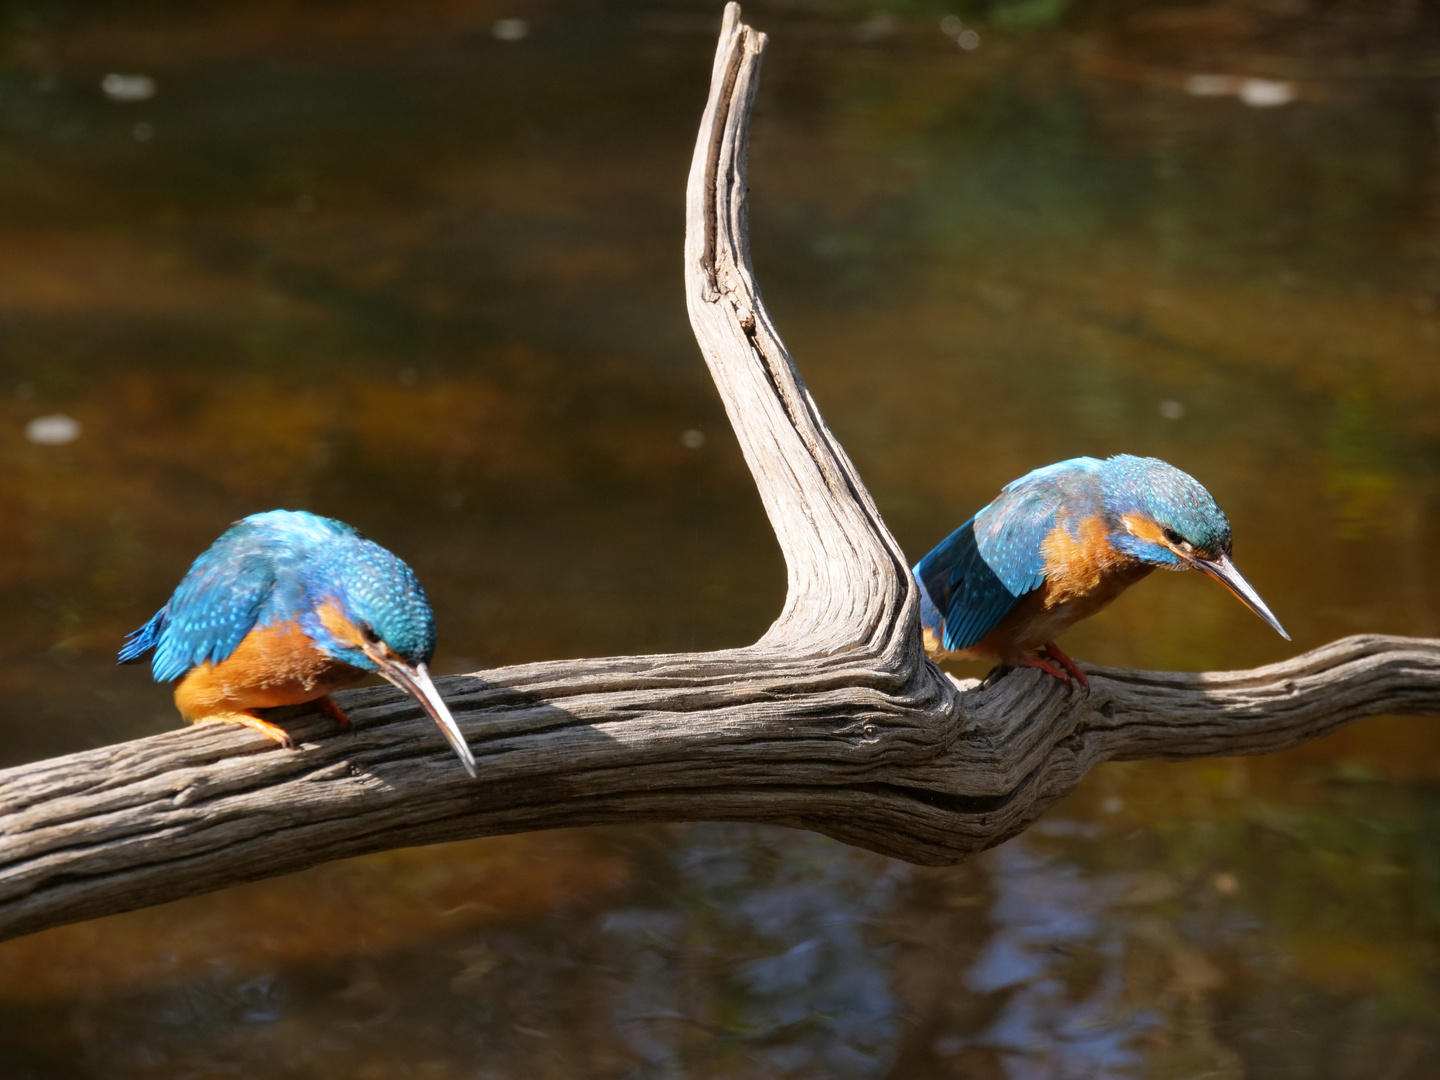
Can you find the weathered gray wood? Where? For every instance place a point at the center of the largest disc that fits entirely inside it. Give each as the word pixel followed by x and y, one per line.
pixel 833 721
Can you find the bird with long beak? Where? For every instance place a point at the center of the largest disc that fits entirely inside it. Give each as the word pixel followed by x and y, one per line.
pixel 1058 545
pixel 285 608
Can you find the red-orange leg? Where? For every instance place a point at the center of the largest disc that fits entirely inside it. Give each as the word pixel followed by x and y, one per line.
pixel 1031 660
pixel 1058 655
pixel 327 706
pixel 250 720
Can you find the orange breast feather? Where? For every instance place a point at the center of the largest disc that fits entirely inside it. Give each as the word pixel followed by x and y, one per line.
pixel 273 665
pixel 1083 573
pixel 1077 566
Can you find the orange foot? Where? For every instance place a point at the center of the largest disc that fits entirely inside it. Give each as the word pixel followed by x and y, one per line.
pixel 327 706
pixel 1032 660
pixel 250 720
pixel 1058 655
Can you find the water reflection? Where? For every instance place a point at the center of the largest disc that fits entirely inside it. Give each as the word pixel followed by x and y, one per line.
pixel 415 267
pixel 1045 912
pixel 1081 950
pixel 780 941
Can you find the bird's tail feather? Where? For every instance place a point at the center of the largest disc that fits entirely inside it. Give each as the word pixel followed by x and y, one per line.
pixel 141 641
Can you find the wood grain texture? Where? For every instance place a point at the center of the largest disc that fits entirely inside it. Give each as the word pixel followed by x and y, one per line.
pixel 832 721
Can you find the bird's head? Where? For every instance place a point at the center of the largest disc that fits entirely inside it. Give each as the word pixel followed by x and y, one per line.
pixel 370 612
pixel 1165 518
pixel 371 609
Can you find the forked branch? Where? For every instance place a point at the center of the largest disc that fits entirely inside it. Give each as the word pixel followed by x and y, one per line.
pixel 832 721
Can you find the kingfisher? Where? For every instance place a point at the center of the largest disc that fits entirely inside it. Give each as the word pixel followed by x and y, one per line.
pixel 1057 546
pixel 284 608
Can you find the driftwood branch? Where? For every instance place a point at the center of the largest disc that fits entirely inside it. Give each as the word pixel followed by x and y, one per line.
pixel 833 721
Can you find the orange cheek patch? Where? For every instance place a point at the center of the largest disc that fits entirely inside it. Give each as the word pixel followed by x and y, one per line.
pixel 336 621
pixel 1144 528
pixel 339 624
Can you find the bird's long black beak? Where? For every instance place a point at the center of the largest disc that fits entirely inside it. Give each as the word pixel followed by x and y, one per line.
pixel 415 681
pixel 1223 571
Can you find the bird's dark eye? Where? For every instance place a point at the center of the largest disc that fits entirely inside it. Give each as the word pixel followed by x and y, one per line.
pixel 368 633
pixel 1171 536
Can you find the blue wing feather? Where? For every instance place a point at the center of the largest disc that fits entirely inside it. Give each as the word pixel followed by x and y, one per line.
pixel 213 608
pixel 962 597
pixel 974 577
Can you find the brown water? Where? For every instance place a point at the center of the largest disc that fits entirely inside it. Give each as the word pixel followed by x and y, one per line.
pixel 370 260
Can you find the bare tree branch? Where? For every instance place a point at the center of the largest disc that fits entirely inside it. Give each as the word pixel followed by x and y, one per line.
pixel 832 721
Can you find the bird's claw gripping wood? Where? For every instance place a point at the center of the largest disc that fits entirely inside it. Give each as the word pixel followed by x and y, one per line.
pixel 1036 661
pixel 326 704
pixel 1064 660
pixel 1066 670
pixel 250 720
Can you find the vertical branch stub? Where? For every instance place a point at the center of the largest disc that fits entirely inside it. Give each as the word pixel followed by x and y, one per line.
pixel 848 581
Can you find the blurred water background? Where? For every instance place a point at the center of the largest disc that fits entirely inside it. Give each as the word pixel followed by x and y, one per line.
pixel 416 265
